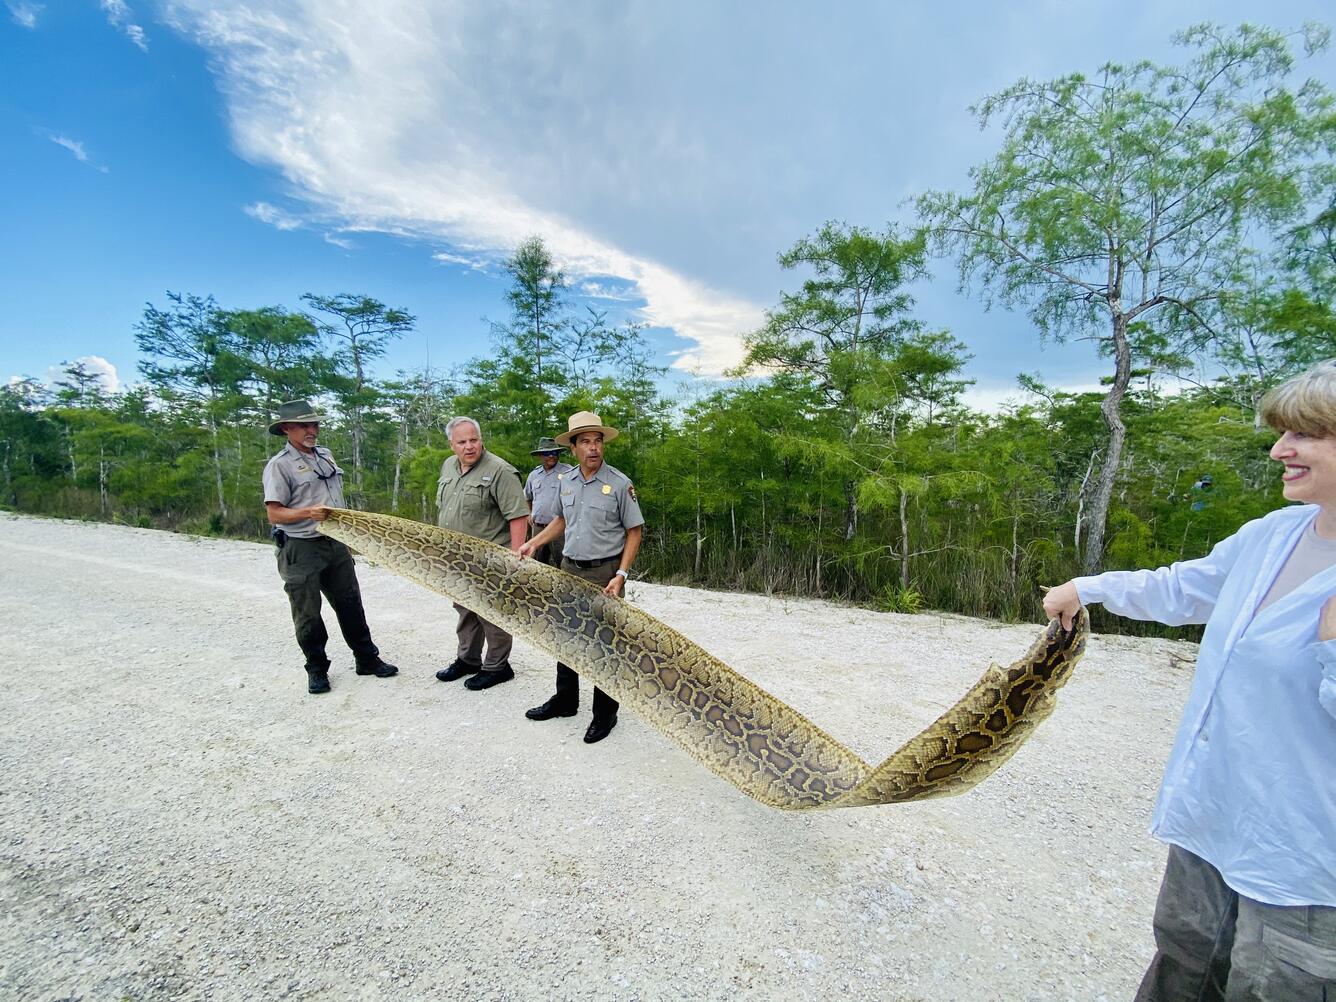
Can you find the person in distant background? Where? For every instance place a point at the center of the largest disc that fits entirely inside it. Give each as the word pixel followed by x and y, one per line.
pixel 301 484
pixel 542 489
pixel 1247 908
pixel 479 494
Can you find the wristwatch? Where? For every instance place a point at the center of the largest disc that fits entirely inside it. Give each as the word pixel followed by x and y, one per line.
pixel 620 573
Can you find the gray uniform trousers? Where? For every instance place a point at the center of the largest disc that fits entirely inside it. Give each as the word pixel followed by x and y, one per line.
pixel 471 630
pixel 568 680
pixel 310 567
pixel 1214 945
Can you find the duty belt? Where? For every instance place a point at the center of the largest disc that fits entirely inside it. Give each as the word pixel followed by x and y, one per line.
pixel 586 564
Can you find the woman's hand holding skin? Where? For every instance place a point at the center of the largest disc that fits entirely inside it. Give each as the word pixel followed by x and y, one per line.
pixel 1063 602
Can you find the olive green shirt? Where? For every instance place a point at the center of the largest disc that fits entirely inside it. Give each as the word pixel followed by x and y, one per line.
pixel 296 479
pixel 598 512
pixel 482 501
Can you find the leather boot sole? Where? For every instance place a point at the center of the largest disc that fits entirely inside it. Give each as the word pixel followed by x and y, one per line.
pixel 546 712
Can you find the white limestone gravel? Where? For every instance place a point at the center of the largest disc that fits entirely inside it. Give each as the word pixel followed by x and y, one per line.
pixel 180 820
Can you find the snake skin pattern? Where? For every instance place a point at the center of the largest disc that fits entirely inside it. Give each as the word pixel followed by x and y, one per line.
pixel 732 726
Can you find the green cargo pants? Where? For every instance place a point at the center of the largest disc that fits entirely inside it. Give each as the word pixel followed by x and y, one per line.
pixel 310 568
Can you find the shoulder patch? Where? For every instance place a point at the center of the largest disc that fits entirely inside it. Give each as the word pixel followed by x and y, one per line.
pixel 631 489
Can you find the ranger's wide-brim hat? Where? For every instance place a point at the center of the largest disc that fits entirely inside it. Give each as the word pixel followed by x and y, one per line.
pixel 581 422
pixel 294 410
pixel 546 445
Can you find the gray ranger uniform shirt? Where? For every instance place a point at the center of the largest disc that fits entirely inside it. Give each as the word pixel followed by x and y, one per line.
pixel 598 512
pixel 297 480
pixel 541 490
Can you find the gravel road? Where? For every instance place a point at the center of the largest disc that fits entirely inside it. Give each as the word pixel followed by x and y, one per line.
pixel 180 820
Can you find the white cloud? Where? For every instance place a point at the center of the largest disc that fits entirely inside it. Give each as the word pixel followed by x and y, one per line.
pixel 77 148
pixel 338 241
pixel 993 398
pixel 673 147
pixel 119 15
pixel 24 13
pixel 620 293
pixel 278 218
pixel 378 116
pixel 105 371
pixel 472 262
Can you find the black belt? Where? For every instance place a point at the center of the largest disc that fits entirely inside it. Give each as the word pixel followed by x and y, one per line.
pixel 586 564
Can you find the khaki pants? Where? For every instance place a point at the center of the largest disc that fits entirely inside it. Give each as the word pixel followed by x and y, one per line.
pixel 1214 945
pixel 472 629
pixel 568 680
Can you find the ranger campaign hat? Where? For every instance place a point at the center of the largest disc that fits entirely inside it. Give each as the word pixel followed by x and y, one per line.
pixel 546 445
pixel 584 421
pixel 295 411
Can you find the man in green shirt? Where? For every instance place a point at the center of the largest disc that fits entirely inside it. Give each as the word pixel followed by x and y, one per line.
pixel 479 494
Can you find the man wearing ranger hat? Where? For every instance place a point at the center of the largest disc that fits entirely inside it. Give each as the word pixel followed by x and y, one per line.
pixel 541 488
pixel 600 516
pixel 301 484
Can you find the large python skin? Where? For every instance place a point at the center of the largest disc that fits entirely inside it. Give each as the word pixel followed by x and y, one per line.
pixel 732 726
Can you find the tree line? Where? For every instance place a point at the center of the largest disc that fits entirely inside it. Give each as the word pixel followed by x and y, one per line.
pixel 1182 217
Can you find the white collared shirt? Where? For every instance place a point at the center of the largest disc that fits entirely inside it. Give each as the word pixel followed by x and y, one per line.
pixel 1250 785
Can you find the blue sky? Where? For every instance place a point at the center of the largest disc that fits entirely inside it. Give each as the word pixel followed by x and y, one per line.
pixel 401 148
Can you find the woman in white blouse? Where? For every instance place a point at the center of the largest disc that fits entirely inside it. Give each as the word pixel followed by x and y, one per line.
pixel 1247 909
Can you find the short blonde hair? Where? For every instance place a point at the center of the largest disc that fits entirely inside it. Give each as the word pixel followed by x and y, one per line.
pixel 1306 403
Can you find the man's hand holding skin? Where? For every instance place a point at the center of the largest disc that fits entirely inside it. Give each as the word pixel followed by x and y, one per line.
pixel 615 586
pixel 1063 603
pixel 554 529
pixel 282 515
pixel 1326 624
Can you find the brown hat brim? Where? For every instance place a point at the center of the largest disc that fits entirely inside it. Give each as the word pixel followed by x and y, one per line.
pixel 567 437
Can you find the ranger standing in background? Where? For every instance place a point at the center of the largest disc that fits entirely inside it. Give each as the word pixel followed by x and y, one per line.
pixel 542 488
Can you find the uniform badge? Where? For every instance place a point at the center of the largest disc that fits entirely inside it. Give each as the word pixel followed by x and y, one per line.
pixel 560 475
pixel 631 489
pixel 607 489
pixel 303 468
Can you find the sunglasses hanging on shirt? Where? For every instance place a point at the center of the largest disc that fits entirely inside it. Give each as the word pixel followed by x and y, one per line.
pixel 315 467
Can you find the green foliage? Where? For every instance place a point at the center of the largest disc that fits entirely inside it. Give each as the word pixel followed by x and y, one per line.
pixel 839 461
pixel 1129 206
pixel 898 599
